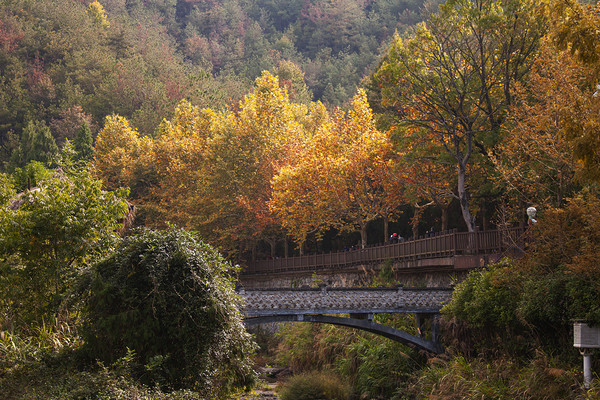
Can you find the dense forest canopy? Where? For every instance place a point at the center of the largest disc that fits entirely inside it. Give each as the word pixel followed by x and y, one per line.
pixel 271 128
pixel 63 63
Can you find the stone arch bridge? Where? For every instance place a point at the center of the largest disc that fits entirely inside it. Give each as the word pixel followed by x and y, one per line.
pixel 324 305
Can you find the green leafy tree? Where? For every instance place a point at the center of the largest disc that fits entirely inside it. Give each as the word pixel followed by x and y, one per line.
pixel 83 143
pixel 454 79
pixel 46 237
pixel 170 298
pixel 7 188
pixel 29 176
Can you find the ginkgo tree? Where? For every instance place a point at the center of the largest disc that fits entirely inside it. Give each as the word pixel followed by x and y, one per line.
pixel 340 179
pixel 122 158
pixel 453 78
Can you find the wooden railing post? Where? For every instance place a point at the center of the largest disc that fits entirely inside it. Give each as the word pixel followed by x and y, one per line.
pixel 455 242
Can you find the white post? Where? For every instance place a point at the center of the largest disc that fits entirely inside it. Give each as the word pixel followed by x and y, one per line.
pixel 587 368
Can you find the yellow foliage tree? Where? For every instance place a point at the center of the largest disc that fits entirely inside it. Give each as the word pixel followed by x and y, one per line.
pixel 340 178
pixel 179 160
pixel 428 178
pixel 97 13
pixel 246 151
pixel 211 171
pixel 120 155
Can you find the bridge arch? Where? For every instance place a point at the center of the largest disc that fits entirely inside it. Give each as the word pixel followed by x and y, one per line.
pixel 368 325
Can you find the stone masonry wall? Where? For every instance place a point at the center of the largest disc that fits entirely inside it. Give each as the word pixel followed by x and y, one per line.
pixel 359 276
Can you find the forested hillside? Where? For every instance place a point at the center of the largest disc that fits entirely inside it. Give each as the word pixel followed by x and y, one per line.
pixel 63 63
pixel 150 150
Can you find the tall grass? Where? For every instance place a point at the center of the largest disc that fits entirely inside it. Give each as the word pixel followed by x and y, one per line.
pixel 29 345
pixel 315 386
pixel 502 378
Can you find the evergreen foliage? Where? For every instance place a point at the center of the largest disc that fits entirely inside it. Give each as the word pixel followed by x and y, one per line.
pixel 83 144
pixel 44 147
pixel 170 299
pixel 37 144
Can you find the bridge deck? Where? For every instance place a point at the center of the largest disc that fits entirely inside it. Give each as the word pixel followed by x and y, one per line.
pixel 262 302
pixel 447 246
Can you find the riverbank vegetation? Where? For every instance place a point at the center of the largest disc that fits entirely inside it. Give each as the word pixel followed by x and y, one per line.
pixel 273 128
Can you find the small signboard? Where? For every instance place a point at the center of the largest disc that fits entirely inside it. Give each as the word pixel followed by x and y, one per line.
pixel 585 336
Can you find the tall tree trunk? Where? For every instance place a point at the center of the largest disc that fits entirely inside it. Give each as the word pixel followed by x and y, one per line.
pixel 286 252
pixel 363 235
pixel 444 207
pixel 415 222
pixel 463 198
pixel 273 246
pixel 386 228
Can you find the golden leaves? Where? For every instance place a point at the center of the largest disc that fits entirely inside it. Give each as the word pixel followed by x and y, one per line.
pixel 116 145
pixel 97 13
pixel 339 176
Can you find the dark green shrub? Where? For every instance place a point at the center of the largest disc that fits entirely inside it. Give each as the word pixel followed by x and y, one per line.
pixel 482 316
pixel 550 302
pixel 315 386
pixel 170 298
pixel 486 298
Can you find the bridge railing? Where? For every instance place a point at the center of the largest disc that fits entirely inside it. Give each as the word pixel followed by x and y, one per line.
pixel 440 245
